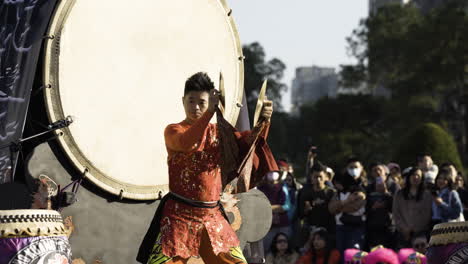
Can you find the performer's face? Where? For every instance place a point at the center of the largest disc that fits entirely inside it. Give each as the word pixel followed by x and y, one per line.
pixel 195 104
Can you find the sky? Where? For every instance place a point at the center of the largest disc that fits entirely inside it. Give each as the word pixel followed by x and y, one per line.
pixel 299 32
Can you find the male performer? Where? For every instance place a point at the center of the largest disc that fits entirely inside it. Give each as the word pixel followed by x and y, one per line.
pixel 191 221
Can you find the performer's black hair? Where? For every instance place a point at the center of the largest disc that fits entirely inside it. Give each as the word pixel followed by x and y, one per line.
pixel 200 81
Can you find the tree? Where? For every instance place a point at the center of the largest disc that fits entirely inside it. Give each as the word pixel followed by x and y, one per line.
pixel 349 125
pixel 420 58
pixel 432 139
pixel 257 69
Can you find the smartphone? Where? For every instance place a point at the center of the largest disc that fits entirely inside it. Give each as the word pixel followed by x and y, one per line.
pixel 379 180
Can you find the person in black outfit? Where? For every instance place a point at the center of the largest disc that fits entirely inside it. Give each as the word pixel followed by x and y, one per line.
pixel 313 201
pixel 380 229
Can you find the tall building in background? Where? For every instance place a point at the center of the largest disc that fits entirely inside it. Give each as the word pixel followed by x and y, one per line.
pixel 313 83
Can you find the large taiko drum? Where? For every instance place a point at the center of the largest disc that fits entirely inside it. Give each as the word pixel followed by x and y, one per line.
pixel 119 67
pixel 33 237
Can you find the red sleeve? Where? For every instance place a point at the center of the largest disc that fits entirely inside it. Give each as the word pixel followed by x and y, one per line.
pixel 305 259
pixel 181 139
pixel 334 257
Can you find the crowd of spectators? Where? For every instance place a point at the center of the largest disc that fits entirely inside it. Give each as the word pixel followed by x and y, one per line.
pixel 340 217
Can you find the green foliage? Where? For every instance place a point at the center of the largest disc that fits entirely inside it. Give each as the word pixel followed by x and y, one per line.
pixel 349 125
pixel 420 57
pixel 410 52
pixel 257 69
pixel 432 139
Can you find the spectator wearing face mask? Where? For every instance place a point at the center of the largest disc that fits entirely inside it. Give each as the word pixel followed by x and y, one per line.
pixel 280 205
pixel 349 206
pixel 429 169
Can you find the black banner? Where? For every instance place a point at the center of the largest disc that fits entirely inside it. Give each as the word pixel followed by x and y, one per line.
pixel 23 24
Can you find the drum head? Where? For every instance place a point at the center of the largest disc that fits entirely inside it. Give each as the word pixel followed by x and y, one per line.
pixel 119 69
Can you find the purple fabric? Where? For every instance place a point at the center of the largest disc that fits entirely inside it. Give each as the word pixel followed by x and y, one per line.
pixel 448 254
pixel 35 250
pixel 276 196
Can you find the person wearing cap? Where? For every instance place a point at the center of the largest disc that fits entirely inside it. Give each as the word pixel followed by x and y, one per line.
pixel 412 207
pixel 280 205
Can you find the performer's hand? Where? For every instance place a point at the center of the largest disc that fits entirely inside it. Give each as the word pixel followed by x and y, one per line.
pixel 267 110
pixel 213 100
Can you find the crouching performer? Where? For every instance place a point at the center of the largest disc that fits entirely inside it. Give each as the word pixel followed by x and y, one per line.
pixel 190 220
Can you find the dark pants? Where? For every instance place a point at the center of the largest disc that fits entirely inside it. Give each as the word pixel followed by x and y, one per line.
pixel 384 237
pixel 349 237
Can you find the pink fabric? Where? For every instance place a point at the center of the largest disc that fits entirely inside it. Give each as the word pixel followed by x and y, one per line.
pixel 382 255
pixel 354 256
pixel 404 253
pixel 349 254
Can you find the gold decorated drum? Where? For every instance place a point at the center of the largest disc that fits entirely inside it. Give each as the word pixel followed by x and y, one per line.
pixel 448 244
pixel 33 237
pixel 119 70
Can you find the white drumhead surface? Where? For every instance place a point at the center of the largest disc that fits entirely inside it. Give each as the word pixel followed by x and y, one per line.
pixel 122 69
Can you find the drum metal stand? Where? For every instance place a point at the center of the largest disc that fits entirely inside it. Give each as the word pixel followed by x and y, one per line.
pixel 253 252
pixel 16 147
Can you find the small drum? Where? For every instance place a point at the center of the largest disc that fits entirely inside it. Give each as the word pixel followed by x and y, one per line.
pixel 33 237
pixel 119 67
pixel 448 244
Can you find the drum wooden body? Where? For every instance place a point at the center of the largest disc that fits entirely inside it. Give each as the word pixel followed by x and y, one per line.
pixel 119 69
pixel 448 244
pixel 33 237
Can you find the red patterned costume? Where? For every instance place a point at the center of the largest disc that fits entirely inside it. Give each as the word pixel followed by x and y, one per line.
pixel 194 173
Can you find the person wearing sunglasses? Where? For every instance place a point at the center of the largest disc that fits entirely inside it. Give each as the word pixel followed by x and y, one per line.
pixel 420 244
pixel 280 251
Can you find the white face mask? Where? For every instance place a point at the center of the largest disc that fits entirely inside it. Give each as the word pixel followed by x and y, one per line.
pixel 354 172
pixel 273 176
